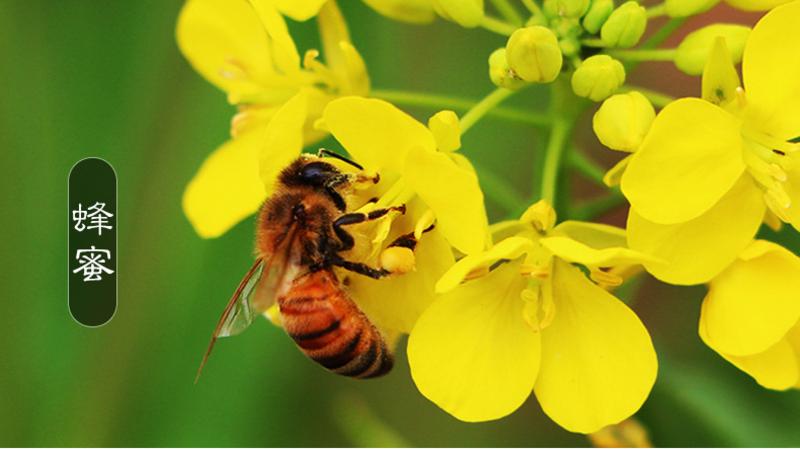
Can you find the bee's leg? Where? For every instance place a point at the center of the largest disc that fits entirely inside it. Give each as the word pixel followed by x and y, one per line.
pixel 360 268
pixel 358 217
pixel 409 240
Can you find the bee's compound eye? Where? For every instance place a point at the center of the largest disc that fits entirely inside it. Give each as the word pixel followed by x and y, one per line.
pixel 317 172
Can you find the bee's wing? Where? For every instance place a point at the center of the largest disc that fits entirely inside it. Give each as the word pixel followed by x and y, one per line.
pixel 257 291
pixel 241 311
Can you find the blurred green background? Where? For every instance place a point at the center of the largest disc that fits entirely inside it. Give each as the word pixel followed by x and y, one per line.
pixel 104 78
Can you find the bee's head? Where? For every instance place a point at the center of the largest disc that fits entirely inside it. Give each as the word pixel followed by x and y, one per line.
pixel 312 172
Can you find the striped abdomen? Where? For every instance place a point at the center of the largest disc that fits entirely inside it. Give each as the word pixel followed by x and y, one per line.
pixel 330 329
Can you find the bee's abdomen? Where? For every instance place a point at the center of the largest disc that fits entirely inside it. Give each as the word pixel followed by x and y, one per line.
pixel 331 330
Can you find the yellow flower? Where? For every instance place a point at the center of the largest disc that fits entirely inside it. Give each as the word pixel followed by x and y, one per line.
pixel 751 315
pixel 404 152
pixel 707 171
pixel 525 319
pixel 247 52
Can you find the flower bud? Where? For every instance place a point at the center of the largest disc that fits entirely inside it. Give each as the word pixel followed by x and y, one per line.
pixel 685 8
pixel 541 215
pixel 565 8
pixel 534 55
pixel 444 126
pixel 692 54
pixel 624 26
pixel 623 120
pixel 569 47
pixel 597 15
pixel 467 13
pixel 598 77
pixel 500 73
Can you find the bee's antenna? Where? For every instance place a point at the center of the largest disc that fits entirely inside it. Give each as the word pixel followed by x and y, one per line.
pixel 326 152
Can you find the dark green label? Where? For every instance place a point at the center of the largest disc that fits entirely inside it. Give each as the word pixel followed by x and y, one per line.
pixel 92 258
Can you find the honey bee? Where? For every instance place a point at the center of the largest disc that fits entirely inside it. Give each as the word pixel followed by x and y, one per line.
pixel 299 240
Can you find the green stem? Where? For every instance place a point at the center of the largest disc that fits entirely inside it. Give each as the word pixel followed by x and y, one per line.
pixel 483 107
pixel 497 26
pixel 656 11
pixel 508 11
pixel 590 210
pixel 552 157
pixel 459 104
pixel 638 55
pixel 593 42
pixel 564 111
pixel 535 10
pixel 659 100
pixel 580 162
pixel 663 33
pixel 499 190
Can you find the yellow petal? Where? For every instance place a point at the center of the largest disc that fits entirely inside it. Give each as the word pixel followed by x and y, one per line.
pixel 472 353
pixel 397 302
pixel 720 79
pixel 776 368
pixel 219 37
pixel 285 55
pixel 771 72
pixel 453 193
pixel 596 235
pixel 510 248
pixel 444 126
pixel 690 158
pixel 316 102
pixel 576 252
pixel 299 10
pixel 227 188
pixel 613 176
pixel 375 133
pixel 467 13
pixel 283 139
pixel 697 250
pixel 793 338
pixel 340 55
pixel 755 5
pixel 752 305
pixel 598 362
pixel 414 11
pixel 792 188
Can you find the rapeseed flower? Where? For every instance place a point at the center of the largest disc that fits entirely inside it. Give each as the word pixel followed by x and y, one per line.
pixel 709 169
pixel 444 205
pixel 520 317
pixel 418 167
pixel 751 315
pixel 248 53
